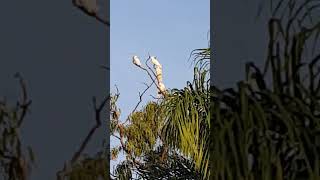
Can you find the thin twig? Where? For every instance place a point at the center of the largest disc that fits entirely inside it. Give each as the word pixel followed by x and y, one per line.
pixel 93 129
pixel 140 100
pixel 155 97
pixel 25 103
pixel 116 136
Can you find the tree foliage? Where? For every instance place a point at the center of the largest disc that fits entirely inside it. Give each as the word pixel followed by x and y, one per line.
pixel 168 137
pixel 187 124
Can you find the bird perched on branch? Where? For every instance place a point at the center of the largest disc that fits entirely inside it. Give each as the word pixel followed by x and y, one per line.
pixel 158 68
pixel 136 61
pixel 162 88
pixel 155 61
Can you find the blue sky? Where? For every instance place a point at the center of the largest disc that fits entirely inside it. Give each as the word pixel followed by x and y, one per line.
pixel 167 29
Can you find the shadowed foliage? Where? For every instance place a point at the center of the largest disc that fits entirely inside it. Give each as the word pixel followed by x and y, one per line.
pixel 87 168
pixel 15 163
pixel 268 127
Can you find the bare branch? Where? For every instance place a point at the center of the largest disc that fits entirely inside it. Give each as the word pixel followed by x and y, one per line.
pixel 140 100
pixel 116 137
pixel 155 97
pixel 98 110
pixel 25 103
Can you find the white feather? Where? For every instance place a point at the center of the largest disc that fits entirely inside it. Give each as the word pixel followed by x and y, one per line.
pixel 155 61
pixel 136 61
pixel 162 87
pixel 159 73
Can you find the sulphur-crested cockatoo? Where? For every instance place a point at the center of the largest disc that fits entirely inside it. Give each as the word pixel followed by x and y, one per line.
pixel 162 88
pixel 155 61
pixel 159 73
pixel 136 61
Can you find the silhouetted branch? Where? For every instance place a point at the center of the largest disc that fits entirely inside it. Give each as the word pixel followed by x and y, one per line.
pixel 98 110
pixel 25 103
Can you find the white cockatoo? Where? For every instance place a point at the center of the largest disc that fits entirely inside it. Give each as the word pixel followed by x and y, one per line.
pixel 162 88
pixel 158 67
pixel 136 61
pixel 159 73
pixel 90 6
pixel 155 61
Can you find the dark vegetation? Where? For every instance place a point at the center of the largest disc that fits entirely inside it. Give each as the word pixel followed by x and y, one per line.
pixel 264 130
